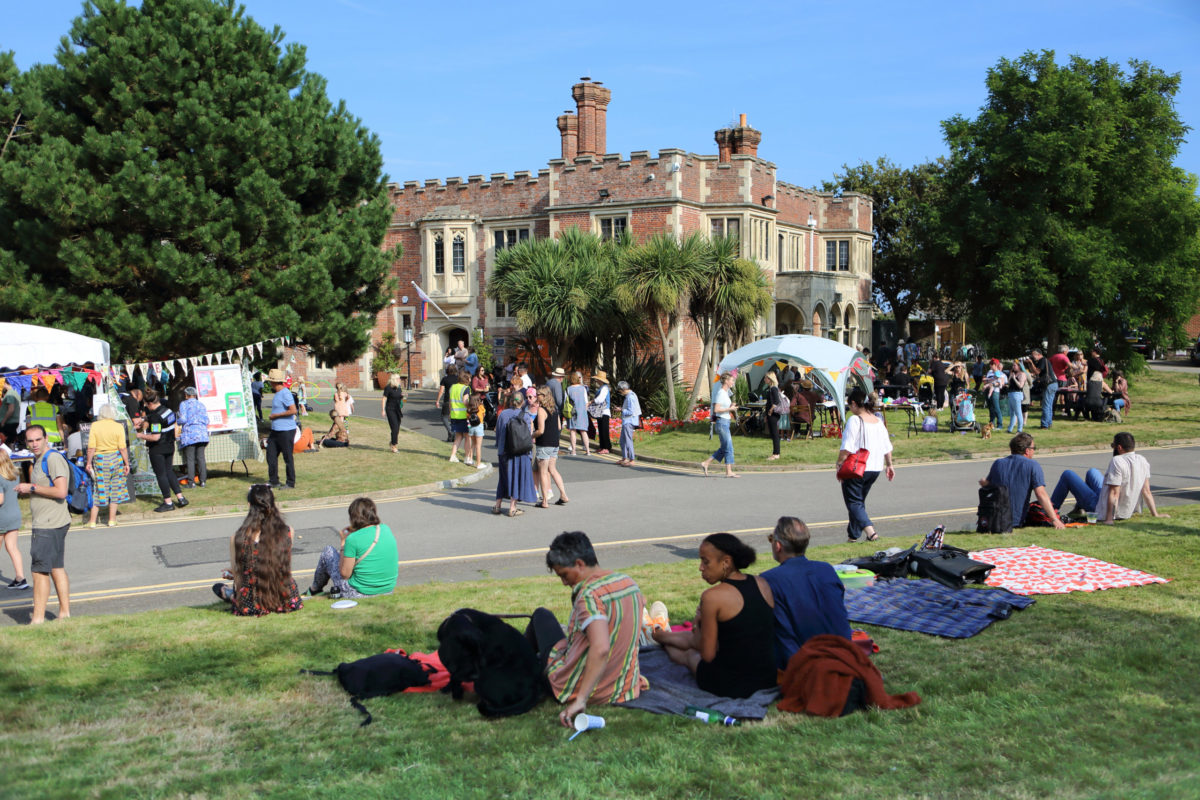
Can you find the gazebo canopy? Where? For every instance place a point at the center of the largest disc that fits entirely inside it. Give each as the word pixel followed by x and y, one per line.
pixel 30 346
pixel 829 364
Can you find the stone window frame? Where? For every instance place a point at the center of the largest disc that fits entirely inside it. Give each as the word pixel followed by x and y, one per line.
pixel 458 252
pixel 723 220
pixel 760 240
pixel 600 219
pixel 841 252
pixel 439 253
pixel 441 231
pixel 494 308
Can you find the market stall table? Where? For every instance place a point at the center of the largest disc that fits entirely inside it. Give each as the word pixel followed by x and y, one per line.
pixel 910 410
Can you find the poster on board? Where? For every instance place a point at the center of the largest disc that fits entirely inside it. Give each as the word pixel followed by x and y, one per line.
pixel 219 389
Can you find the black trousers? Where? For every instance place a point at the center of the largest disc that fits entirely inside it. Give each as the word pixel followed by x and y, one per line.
pixel 773 429
pixel 161 464
pixel 603 432
pixel 393 417
pixel 281 442
pixel 543 633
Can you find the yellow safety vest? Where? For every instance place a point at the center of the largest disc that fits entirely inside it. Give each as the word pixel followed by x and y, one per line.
pixel 46 415
pixel 458 401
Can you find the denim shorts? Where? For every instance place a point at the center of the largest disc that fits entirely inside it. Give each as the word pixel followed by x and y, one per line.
pixel 458 426
pixel 547 453
pixel 475 430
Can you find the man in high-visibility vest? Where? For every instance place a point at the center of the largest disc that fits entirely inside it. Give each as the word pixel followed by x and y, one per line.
pixel 458 415
pixel 43 412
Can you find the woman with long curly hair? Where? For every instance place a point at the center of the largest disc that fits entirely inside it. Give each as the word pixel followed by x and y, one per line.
pixel 260 555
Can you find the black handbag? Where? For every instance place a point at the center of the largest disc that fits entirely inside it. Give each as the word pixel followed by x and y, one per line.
pixel 950 566
pixel 884 565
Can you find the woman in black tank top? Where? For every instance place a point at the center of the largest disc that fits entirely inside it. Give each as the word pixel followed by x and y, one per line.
pixel 731 648
pixel 545 439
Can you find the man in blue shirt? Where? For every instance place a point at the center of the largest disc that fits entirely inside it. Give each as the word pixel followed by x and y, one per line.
pixel 809 596
pixel 1020 474
pixel 283 431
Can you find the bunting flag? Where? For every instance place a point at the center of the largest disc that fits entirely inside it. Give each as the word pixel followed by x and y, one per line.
pixel 833 375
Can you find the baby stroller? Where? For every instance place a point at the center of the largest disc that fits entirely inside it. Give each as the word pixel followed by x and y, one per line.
pixel 962 416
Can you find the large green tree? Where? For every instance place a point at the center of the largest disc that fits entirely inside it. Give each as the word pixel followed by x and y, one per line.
pixel 1065 216
pixel 188 186
pixel 905 205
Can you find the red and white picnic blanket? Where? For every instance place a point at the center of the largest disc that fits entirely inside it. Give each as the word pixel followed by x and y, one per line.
pixel 1041 570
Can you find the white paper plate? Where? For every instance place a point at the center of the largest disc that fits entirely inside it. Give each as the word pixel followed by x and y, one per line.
pixel 344 604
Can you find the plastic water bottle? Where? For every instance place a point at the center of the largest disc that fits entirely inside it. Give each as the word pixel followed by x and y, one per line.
pixel 709 715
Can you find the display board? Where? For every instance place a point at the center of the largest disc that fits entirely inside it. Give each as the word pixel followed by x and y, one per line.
pixel 219 389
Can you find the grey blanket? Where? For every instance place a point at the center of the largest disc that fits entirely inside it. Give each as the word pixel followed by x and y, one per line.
pixel 673 688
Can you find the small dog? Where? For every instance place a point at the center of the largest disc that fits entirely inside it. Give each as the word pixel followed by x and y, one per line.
pixel 478 647
pixel 986 431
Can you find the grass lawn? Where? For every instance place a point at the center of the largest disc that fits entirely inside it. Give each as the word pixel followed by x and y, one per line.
pixel 1164 409
pixel 1081 695
pixel 368 465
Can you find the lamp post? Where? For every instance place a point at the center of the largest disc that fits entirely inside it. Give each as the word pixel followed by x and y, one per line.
pixel 408 337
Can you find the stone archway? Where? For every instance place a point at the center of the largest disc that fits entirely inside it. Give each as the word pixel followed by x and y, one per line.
pixel 850 327
pixel 818 320
pixel 788 319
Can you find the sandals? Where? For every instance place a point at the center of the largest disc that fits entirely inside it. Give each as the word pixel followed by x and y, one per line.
pixel 872 537
pixel 515 512
pixel 704 467
pixel 496 510
pixel 542 504
pixel 561 502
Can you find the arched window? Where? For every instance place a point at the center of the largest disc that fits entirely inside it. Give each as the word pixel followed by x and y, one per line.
pixel 439 255
pixel 458 250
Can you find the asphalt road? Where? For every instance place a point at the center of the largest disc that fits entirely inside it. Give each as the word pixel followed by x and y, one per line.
pixel 634 516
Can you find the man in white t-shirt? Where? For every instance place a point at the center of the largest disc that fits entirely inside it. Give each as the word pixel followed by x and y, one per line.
pixel 1126 483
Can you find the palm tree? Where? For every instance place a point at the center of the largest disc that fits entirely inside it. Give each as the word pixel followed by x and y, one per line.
pixel 728 300
pixel 549 290
pixel 659 274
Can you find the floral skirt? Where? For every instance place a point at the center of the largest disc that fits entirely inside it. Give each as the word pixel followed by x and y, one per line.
pixel 110 479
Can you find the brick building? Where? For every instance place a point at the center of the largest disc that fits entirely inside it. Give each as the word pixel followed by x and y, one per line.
pixel 816 245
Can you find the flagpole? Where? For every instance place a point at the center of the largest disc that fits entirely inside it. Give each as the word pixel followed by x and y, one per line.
pixel 426 298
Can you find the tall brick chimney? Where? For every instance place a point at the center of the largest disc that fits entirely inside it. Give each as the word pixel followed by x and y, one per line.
pixel 740 141
pixel 591 102
pixel 568 126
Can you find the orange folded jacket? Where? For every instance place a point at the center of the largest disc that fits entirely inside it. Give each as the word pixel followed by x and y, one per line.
pixel 818 677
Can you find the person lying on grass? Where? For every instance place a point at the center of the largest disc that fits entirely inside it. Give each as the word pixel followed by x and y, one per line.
pixel 260 556
pixel 731 647
pixel 597 662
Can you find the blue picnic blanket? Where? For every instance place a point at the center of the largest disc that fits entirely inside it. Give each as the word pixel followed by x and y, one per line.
pixel 927 606
pixel 673 688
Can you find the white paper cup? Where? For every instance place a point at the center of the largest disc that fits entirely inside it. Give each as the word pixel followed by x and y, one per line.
pixel 1091 517
pixel 587 722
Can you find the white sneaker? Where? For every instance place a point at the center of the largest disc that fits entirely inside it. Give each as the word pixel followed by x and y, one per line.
pixel 454 459
pixel 481 465
pixel 469 461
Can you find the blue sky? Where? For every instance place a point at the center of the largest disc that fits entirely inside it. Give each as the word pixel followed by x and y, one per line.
pixel 474 87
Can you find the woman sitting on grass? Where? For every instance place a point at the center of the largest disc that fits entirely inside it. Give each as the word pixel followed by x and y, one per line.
pixel 368 562
pixel 260 561
pixel 731 647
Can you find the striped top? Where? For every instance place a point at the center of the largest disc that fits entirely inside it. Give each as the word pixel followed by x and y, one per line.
pixel 610 599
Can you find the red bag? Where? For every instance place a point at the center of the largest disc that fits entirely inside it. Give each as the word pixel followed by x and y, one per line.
pixel 854 466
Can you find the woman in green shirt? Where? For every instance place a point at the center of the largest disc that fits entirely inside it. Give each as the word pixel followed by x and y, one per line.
pixel 368 562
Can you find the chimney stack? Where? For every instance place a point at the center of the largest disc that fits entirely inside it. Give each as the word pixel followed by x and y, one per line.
pixel 740 141
pixel 568 126
pixel 591 102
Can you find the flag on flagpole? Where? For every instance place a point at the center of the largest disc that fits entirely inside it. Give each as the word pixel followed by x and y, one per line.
pixel 426 299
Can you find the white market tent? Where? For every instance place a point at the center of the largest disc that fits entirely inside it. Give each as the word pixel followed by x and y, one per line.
pixel 831 365
pixel 30 346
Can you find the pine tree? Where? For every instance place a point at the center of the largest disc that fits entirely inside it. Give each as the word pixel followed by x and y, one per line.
pixel 189 187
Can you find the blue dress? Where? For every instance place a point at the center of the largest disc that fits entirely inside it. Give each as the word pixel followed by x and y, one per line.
pixel 516 473
pixel 578 395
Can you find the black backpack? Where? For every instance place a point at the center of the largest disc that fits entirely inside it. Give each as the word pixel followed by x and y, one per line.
pixel 376 676
pixel 995 510
pixel 518 439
